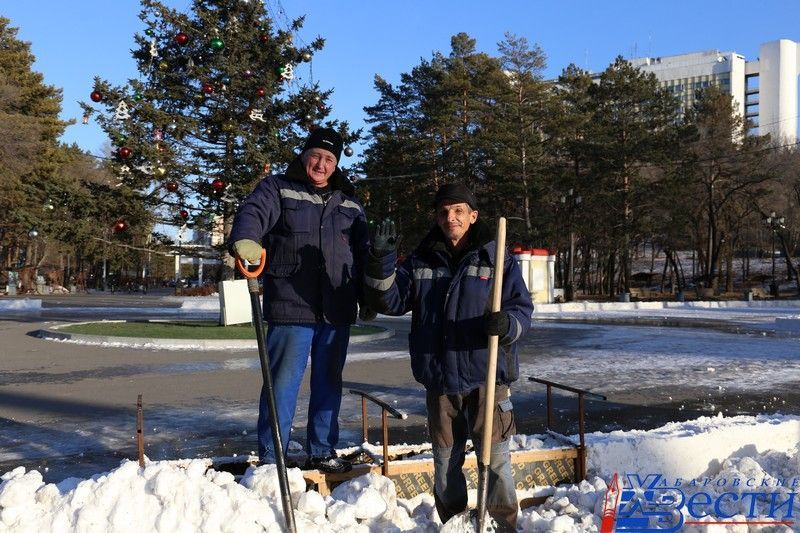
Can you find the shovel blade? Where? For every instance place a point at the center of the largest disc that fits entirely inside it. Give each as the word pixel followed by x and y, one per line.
pixel 467 522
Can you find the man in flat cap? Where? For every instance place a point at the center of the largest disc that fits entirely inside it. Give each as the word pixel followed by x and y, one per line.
pixel 315 234
pixel 445 283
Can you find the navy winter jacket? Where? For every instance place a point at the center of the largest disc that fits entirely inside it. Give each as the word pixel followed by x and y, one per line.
pixel 448 343
pixel 315 248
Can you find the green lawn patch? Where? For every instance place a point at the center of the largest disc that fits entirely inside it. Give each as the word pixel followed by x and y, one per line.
pixel 180 330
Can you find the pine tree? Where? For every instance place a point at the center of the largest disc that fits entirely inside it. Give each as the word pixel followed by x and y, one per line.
pixel 216 107
pixel 29 155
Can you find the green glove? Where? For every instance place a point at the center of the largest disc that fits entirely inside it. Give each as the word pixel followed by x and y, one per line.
pixel 248 250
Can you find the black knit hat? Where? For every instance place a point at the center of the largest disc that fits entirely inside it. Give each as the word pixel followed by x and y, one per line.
pixel 327 139
pixel 455 191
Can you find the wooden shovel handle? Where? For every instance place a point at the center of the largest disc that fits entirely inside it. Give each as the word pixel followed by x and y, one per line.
pixel 491 366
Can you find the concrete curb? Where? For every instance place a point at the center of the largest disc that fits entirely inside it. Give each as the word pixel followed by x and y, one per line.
pixel 52 333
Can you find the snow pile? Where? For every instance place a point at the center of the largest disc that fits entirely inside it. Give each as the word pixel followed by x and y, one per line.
pixel 689 449
pixel 188 495
pixel 200 303
pixel 24 305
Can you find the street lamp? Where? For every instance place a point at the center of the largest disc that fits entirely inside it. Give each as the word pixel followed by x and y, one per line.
pixel 570 201
pixel 774 223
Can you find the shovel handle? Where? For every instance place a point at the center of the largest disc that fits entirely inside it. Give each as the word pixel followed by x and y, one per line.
pixel 491 374
pixel 246 272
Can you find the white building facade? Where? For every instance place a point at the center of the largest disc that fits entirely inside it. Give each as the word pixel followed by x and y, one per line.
pixel 764 90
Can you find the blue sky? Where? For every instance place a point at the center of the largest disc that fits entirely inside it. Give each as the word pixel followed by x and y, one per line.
pixel 77 39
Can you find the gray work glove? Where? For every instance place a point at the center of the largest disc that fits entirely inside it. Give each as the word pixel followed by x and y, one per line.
pixel 248 250
pixel 386 239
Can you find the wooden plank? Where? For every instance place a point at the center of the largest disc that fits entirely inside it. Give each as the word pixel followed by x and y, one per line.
pixel 530 468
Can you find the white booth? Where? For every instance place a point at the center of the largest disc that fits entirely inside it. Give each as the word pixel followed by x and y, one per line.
pixel 538 271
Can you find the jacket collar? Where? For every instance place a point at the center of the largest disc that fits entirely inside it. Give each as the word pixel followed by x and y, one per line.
pixel 338 181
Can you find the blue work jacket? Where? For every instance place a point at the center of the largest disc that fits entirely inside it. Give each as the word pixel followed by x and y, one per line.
pixel 315 246
pixel 448 343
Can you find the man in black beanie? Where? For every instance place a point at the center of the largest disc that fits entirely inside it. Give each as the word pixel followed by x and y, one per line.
pixel 445 283
pixel 315 233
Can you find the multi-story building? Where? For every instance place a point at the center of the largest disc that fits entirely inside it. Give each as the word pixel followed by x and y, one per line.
pixel 764 90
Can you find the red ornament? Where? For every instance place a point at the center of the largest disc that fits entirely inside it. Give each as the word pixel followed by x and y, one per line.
pixel 208 88
pixel 261 92
pixel 172 186
pixel 264 38
pixel 181 38
pixel 184 214
pixel 218 185
pixel 96 96
pixel 119 226
pixel 125 152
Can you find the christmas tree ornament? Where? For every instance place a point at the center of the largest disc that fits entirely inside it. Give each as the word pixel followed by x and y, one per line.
pixel 257 114
pixel 218 185
pixel 137 97
pixel 85 119
pixel 287 72
pixel 306 56
pixel 161 171
pixel 184 214
pixel 247 74
pixel 125 152
pixel 217 44
pixel 119 226
pixel 158 135
pixel 124 169
pixel 348 151
pixel 150 32
pixel 172 126
pixel 261 92
pixel 121 138
pixel 153 48
pixel 172 186
pixel 33 234
pixel 226 80
pixel 264 38
pixel 48 205
pixel 163 65
pixel 190 63
pixel 122 112
pixel 96 96
pixel 208 88
pixel 181 38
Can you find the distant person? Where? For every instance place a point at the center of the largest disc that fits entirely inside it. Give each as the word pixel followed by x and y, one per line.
pixel 316 237
pixel 445 283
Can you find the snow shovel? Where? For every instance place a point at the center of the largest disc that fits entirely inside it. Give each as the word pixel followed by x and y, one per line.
pixel 463 519
pixel 258 322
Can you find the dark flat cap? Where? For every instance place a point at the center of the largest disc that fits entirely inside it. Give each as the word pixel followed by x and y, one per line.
pixel 457 192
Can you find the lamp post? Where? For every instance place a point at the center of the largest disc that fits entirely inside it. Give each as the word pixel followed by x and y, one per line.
pixel 774 223
pixel 570 201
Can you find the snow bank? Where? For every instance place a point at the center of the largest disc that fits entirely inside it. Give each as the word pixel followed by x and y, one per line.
pixel 632 306
pixel 187 495
pixel 26 304
pixel 690 449
pixel 200 303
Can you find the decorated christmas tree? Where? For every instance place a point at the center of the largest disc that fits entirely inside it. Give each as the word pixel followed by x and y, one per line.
pixel 218 105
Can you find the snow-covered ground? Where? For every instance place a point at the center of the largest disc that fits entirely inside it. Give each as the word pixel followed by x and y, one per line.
pixel 716 463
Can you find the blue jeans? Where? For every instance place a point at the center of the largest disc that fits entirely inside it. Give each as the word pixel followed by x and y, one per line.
pixel 289 347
